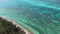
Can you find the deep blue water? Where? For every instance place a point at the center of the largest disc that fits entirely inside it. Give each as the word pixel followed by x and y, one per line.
pixel 38 16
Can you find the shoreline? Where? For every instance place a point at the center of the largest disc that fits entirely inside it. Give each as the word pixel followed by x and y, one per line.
pixel 18 25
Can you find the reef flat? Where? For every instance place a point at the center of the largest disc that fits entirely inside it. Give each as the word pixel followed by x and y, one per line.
pixel 38 16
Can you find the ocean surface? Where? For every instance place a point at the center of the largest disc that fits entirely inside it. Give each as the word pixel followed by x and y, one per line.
pixel 38 16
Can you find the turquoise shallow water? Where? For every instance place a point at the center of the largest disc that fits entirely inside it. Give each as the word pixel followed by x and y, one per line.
pixel 38 16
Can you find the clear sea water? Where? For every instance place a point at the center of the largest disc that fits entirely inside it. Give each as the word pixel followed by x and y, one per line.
pixel 38 16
